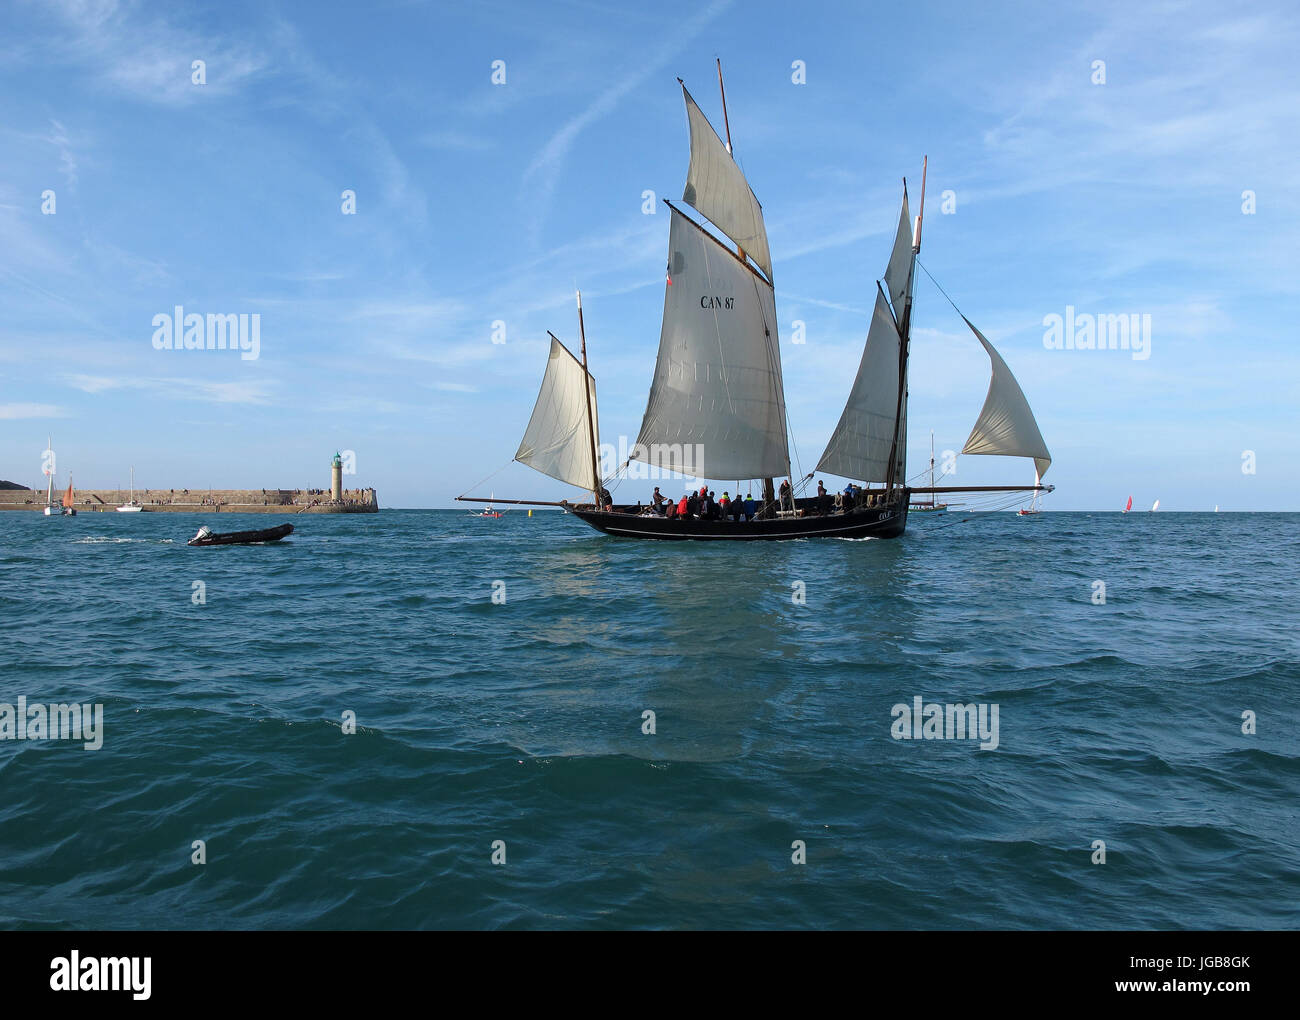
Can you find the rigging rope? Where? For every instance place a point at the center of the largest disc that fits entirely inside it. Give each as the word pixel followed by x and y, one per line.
pixel 941 290
pixel 489 477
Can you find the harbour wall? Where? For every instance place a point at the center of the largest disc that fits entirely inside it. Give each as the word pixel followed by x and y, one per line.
pixel 189 501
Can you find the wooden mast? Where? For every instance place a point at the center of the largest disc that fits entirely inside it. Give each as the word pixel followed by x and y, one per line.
pixel 591 428
pixel 769 487
pixel 905 340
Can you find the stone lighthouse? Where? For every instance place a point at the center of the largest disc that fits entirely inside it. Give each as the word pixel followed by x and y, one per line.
pixel 336 479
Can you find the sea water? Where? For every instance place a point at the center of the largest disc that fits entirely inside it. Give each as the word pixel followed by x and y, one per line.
pixel 422 720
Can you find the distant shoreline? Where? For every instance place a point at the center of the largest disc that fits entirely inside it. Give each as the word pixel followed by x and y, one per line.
pixel 243 501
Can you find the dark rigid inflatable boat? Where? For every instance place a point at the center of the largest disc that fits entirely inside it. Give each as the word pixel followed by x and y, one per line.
pixel 207 537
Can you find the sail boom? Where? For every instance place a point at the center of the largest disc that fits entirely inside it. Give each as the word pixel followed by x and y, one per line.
pixel 981 488
pixel 511 502
pixel 741 261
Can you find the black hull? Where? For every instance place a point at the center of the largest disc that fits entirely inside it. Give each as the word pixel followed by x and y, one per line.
pixel 867 522
pixel 245 537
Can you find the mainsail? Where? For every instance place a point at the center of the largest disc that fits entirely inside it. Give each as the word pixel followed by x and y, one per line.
pixel 67 496
pixel 717 405
pixel 875 417
pixel 558 441
pixel 1006 426
pixel 716 187
pixel 859 446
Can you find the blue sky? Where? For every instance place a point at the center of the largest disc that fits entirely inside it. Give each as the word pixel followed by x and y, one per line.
pixel 478 202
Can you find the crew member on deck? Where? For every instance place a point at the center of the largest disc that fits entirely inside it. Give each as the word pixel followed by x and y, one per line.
pixel 823 499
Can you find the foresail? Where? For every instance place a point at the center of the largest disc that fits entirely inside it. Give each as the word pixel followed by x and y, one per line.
pixel 558 441
pixel 717 405
pixel 1006 426
pixel 716 186
pixel 898 274
pixel 859 447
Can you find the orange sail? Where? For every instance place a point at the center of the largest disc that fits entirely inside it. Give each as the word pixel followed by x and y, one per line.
pixel 67 496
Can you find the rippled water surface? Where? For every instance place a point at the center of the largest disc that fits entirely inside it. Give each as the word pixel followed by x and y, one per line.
pixel 522 722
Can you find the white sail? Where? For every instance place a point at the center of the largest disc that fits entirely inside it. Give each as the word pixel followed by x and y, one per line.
pixel 1006 426
pixel 717 405
pixel 716 186
pixel 859 447
pixel 898 274
pixel 558 441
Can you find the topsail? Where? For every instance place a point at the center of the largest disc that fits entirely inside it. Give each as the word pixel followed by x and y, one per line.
pixel 898 274
pixel 716 187
pixel 558 441
pixel 1006 425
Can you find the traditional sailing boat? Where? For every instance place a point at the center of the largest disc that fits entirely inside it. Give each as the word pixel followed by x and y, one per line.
pixel 132 507
pixel 717 403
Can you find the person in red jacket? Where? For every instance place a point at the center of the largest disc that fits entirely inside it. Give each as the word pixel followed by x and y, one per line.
pixel 681 507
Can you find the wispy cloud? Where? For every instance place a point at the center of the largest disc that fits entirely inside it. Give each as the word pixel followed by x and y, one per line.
pixel 252 392
pixel 12 412
pixel 146 56
pixel 543 172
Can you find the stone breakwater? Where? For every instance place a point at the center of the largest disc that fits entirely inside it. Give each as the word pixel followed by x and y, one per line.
pixel 233 501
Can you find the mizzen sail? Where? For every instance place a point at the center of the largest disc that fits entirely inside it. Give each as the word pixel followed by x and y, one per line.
pixel 717 404
pixel 558 441
pixel 1006 426
pixel 859 447
pixel 716 186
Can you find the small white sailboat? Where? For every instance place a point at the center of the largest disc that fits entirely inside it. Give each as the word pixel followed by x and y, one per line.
pixel 52 509
pixel 131 507
pixel 926 506
pixel 489 510
pixel 1155 506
